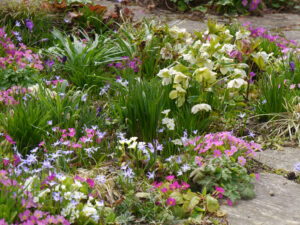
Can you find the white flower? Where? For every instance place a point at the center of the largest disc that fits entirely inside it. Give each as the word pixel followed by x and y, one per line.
pixel 28 183
pixel 204 75
pixel 177 142
pixel 240 72
pixel 77 184
pixel 242 34
pixel 189 58
pixel 88 210
pixel 201 107
pixel 227 48
pixel 99 204
pixel 166 112
pixel 165 75
pixel 185 168
pixel 176 32
pixel 132 145
pixel 263 55
pixel 149 37
pixel 236 83
pixel 169 123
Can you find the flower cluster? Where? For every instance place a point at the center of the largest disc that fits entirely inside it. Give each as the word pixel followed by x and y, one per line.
pixel 252 5
pixel 9 96
pixel 127 63
pixel 223 143
pixel 284 44
pixel 206 61
pixel 19 57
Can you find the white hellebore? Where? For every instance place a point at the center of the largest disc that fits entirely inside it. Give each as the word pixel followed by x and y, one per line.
pixel 201 107
pixel 236 83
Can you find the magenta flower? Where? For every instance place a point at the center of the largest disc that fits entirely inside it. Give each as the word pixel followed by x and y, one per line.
pixel 157 185
pixel 229 202
pixel 79 178
pixel 171 201
pixel 90 182
pixel 184 185
pixel 219 189
pixel 2 222
pixel 164 190
pixel 257 176
pixel 9 139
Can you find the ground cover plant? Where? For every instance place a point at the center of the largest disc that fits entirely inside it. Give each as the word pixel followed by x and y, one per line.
pixel 136 123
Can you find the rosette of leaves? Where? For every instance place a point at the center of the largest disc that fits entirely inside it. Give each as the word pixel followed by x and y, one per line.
pixel 23 77
pixel 225 173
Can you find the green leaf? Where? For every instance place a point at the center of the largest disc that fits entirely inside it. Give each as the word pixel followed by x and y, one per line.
pixel 212 204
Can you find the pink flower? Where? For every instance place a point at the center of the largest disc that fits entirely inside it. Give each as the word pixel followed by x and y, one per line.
pixel 2 222
pixel 257 176
pixel 24 215
pixel 229 202
pixel 217 153
pixel 241 160
pixel 38 214
pixel 292 86
pixel 90 182
pixel 228 152
pixel 170 178
pixel 199 160
pixel 51 219
pixel 171 201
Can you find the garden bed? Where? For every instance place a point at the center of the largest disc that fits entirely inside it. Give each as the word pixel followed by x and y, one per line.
pixel 109 121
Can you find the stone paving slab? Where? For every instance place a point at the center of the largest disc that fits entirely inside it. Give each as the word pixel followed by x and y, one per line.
pixel 283 208
pixel 287 24
pixel 280 159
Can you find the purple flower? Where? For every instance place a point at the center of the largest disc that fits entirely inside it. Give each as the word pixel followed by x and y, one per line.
pixel 64 59
pixel 29 24
pixel 49 63
pixel 297 166
pixel 293 66
pixel 252 74
pixel 99 109
pixel 244 2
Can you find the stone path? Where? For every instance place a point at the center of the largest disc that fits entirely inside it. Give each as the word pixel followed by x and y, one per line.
pixel 286 24
pixel 277 200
